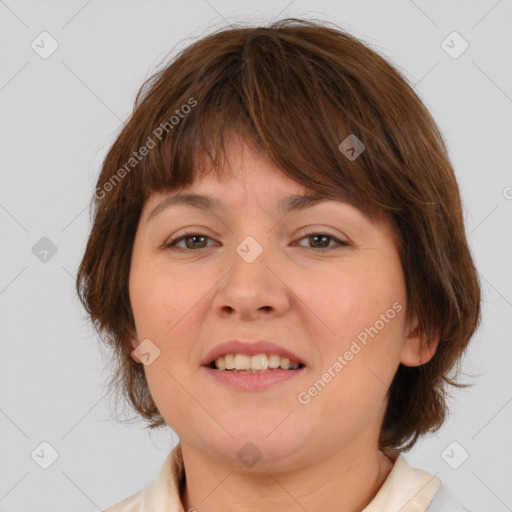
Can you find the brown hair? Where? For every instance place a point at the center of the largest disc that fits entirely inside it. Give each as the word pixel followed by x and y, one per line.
pixel 294 90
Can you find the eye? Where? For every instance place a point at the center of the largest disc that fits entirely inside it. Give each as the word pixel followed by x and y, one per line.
pixel 198 240
pixel 319 240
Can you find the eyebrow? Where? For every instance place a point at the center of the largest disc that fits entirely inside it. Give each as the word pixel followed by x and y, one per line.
pixel 205 202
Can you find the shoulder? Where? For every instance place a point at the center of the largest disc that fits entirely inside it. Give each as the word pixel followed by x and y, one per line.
pixel 443 501
pixel 130 504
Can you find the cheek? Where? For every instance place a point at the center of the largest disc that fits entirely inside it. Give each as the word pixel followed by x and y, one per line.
pixel 155 296
pixel 168 309
pixel 360 318
pixel 345 302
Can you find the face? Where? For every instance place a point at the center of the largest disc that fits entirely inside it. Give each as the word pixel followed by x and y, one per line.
pixel 328 285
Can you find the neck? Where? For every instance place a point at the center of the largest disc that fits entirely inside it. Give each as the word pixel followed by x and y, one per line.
pixel 344 481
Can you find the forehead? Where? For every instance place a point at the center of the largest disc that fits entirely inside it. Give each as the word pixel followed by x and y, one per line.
pixel 286 204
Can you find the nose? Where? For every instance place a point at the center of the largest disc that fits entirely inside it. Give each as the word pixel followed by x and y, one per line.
pixel 253 287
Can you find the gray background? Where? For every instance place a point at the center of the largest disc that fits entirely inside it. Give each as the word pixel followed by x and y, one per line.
pixel 59 116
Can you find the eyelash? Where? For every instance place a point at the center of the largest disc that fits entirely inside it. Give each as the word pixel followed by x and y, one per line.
pixel 171 244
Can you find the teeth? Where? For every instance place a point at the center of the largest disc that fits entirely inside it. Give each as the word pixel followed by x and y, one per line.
pixel 258 362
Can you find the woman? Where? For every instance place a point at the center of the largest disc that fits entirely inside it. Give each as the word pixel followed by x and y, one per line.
pixel 278 260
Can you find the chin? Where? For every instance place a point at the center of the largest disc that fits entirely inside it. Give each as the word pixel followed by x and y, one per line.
pixel 258 445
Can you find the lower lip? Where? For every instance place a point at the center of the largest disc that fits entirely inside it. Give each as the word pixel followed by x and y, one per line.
pixel 253 381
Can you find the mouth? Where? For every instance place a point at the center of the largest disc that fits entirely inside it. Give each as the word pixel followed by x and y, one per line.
pixel 258 363
pixel 236 371
pixel 227 364
pixel 252 357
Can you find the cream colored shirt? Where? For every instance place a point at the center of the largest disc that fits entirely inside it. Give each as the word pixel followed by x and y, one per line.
pixel 405 490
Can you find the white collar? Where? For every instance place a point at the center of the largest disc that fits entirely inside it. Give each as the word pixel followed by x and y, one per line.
pixel 405 489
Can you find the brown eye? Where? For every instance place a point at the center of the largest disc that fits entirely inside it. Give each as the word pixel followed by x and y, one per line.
pixel 192 241
pixel 322 240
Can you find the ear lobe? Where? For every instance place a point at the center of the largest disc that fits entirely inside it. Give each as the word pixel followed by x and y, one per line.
pixel 134 355
pixel 416 350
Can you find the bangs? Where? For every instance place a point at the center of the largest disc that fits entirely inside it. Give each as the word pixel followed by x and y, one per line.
pixel 258 94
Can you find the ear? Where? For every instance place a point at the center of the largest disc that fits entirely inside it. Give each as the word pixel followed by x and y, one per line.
pixel 134 355
pixel 416 350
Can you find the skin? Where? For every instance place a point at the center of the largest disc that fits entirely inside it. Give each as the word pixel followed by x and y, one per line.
pixel 319 456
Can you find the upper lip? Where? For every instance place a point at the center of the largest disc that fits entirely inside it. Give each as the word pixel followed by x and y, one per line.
pixel 251 349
